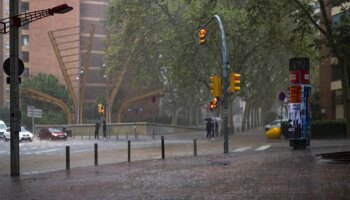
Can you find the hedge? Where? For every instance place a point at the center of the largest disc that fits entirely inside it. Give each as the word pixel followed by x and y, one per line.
pixel 330 129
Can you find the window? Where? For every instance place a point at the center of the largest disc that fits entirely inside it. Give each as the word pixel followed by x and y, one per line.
pixel 25 56
pixel 338 97
pixel 25 7
pixel 25 40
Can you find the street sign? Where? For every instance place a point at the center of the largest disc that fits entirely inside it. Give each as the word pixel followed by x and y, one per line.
pixel 6 66
pixel 32 112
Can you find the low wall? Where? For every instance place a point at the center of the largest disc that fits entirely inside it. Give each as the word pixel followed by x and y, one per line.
pixel 140 128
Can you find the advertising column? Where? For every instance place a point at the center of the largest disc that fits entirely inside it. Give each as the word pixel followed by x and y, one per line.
pixel 298 106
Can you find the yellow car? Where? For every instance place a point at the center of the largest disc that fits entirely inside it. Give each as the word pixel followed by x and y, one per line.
pixel 273 133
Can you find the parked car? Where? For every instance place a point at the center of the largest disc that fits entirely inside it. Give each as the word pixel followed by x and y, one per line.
pixel 3 128
pixel 52 134
pixel 24 135
pixel 275 123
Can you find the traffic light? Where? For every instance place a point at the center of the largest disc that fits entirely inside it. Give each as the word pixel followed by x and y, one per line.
pixel 213 104
pixel 215 86
pixel 202 34
pixel 235 80
pixel 100 108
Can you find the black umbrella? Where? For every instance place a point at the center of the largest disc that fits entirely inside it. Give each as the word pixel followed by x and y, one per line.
pixel 208 119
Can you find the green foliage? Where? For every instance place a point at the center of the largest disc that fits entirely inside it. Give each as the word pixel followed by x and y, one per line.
pixel 157 40
pixel 328 129
pixel 52 114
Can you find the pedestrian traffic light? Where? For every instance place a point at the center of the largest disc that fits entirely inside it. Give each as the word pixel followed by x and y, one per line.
pixel 100 108
pixel 235 81
pixel 201 35
pixel 215 86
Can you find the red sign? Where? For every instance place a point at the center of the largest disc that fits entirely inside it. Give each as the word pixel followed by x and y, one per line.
pixel 295 94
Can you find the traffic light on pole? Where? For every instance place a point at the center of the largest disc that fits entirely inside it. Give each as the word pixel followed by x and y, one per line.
pixel 213 104
pixel 201 35
pixel 235 81
pixel 215 86
pixel 100 108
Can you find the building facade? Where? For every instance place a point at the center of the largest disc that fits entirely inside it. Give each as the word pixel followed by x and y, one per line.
pixel 37 51
pixel 331 95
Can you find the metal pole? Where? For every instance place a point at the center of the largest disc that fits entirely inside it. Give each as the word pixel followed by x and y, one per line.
pixel 15 115
pixel 33 120
pixel 225 67
pixel 163 152
pixel 67 158
pixel 195 147
pixel 129 150
pixel 96 155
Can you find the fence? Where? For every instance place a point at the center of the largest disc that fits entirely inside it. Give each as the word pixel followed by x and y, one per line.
pixel 122 129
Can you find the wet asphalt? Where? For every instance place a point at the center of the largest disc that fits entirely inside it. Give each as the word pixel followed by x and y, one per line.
pixel 276 172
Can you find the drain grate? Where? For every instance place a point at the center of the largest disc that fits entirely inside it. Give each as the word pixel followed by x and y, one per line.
pixel 343 156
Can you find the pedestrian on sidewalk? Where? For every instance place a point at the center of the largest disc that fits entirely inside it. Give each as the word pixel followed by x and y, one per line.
pixel 104 127
pixel 209 129
pixel 97 129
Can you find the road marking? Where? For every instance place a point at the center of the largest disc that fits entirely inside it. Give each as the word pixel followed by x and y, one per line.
pixel 262 148
pixel 241 149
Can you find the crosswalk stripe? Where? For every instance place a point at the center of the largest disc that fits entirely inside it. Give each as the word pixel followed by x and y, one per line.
pixel 262 148
pixel 241 149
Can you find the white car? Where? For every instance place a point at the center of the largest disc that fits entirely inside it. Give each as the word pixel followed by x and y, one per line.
pixel 3 128
pixel 275 123
pixel 24 135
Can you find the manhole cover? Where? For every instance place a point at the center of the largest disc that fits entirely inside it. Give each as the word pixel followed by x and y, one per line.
pixel 219 163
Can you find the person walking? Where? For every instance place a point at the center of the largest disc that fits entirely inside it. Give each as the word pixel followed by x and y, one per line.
pixel 97 129
pixel 104 127
pixel 208 128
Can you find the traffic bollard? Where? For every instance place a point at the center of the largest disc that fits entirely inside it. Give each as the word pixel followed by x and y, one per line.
pixel 195 147
pixel 153 134
pixel 129 150
pixel 67 158
pixel 127 135
pixel 116 136
pixel 96 155
pixel 163 153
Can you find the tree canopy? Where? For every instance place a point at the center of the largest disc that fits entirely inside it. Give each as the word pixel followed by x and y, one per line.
pixel 158 40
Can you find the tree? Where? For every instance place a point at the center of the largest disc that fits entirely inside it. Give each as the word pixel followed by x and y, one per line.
pixel 335 36
pixel 161 39
pixel 50 85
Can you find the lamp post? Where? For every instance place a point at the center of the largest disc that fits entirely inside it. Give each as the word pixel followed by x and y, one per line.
pixel 225 82
pixel 11 25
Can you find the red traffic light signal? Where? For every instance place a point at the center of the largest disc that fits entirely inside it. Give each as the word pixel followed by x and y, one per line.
pixel 213 104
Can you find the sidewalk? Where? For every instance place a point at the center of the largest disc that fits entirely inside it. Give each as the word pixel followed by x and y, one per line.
pixel 274 174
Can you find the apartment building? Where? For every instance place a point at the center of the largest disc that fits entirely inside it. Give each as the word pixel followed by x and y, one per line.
pixel 331 95
pixel 37 51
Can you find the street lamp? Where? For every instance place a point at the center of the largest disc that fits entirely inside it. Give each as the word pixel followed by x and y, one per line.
pixel 11 25
pixel 225 68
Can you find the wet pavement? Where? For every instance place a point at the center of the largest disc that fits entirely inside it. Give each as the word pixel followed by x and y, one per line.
pixel 277 172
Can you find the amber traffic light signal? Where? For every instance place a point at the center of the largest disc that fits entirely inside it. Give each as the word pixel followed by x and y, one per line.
pixel 215 86
pixel 201 35
pixel 100 108
pixel 235 81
